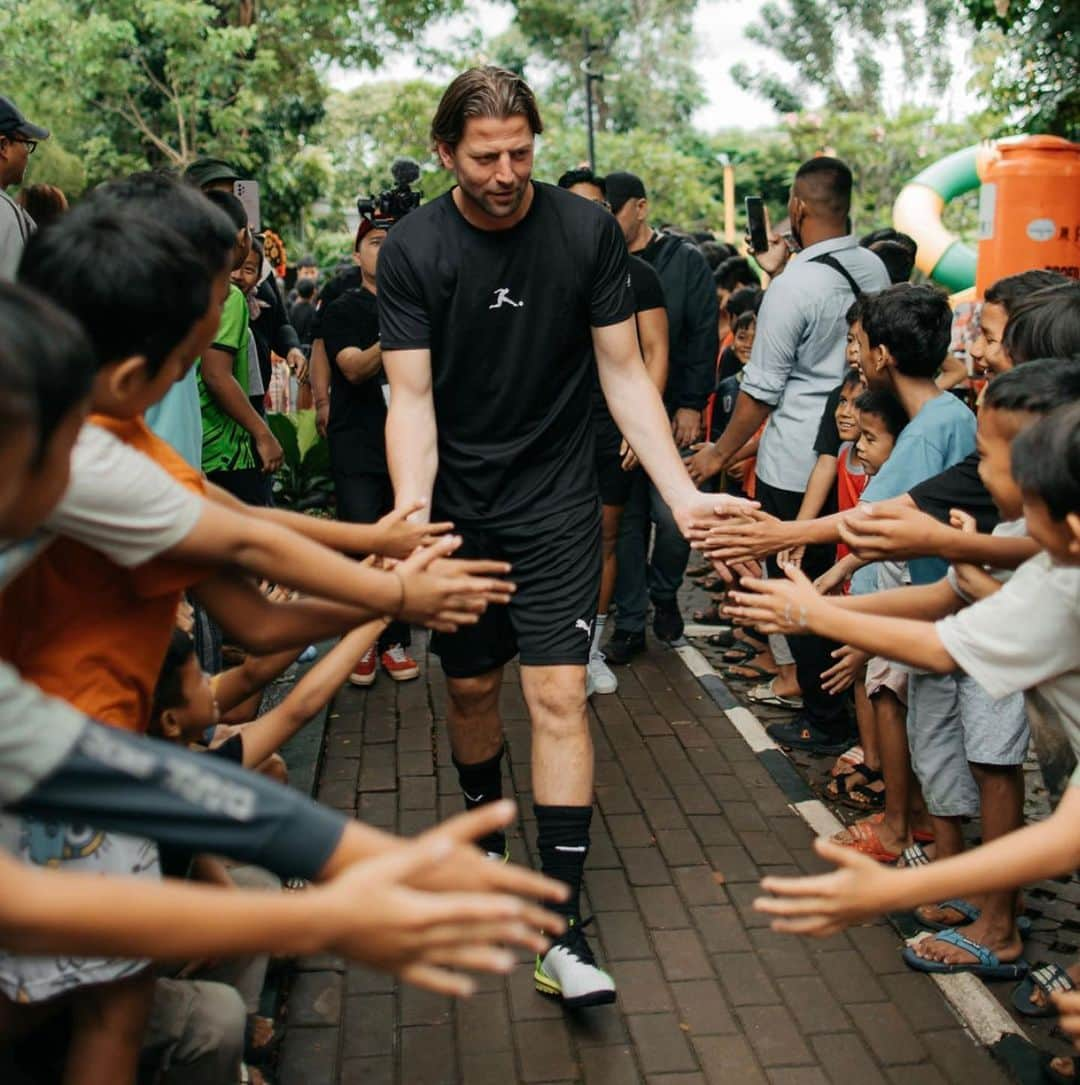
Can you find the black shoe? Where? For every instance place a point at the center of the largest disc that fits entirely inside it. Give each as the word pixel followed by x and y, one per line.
pixel 623 646
pixel 667 621
pixel 800 734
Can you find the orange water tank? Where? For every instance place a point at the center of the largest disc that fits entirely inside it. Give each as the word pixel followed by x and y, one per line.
pixel 1029 209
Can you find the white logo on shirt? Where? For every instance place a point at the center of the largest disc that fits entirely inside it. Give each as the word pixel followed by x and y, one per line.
pixel 502 297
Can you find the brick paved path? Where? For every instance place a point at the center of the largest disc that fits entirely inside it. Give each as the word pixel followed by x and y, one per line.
pixel 688 820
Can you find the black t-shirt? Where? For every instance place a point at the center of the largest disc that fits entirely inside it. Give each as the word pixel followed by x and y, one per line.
pixel 349 279
pixel 357 427
pixel 958 487
pixel 827 442
pixel 729 366
pixel 648 294
pixel 302 318
pixel 506 315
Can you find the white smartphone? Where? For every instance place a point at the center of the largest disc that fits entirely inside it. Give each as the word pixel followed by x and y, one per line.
pixel 247 192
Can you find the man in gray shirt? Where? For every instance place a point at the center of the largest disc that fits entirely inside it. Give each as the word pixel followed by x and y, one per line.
pixel 18 138
pixel 797 360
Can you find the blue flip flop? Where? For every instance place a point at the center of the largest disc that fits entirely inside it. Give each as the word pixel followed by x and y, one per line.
pixel 987 965
pixel 968 911
pixel 1048 978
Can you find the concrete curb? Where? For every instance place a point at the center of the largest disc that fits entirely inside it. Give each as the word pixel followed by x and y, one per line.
pixel 980 1013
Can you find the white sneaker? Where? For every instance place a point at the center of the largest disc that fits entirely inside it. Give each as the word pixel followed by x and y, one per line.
pixel 599 677
pixel 568 971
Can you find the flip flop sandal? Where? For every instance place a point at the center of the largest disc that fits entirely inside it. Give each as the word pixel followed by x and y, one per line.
pixel 1055 1076
pixel 730 675
pixel 740 651
pixel 966 909
pixel 915 855
pixel 1048 978
pixel 864 798
pixel 724 639
pixel 259 1055
pixel 987 965
pixel 766 694
pixel 699 571
pixel 848 761
pixel 832 790
pixel 865 840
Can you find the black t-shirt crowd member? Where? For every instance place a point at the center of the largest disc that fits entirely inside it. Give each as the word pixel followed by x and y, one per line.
pixel 356 430
pixel 506 315
pixel 348 279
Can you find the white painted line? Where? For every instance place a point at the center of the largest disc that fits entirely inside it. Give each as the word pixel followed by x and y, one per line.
pixel 980 1013
pixel 749 726
pixel 819 817
pixel 694 629
pixel 697 664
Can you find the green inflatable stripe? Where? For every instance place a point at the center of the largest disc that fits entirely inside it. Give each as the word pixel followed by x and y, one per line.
pixel 956 268
pixel 951 176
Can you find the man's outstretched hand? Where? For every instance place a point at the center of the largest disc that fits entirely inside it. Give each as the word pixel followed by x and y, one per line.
pixel 704 511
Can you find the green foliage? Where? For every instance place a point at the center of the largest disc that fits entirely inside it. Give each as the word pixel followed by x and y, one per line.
pixel 829 50
pixel 1028 52
pixel 303 482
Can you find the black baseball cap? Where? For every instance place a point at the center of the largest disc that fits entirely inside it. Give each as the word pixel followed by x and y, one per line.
pixel 622 186
pixel 205 171
pixel 13 123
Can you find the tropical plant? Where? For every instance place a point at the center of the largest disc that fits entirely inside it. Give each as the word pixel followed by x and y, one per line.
pixel 303 482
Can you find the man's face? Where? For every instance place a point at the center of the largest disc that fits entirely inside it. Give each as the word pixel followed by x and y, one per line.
pixel 14 156
pixel 590 192
pixel 987 353
pixel 370 248
pixel 994 439
pixel 631 217
pixel 492 163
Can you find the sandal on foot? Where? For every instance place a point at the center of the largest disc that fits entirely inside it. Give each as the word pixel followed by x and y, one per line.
pixel 966 909
pixel 865 840
pixel 766 694
pixel 710 616
pixel 915 855
pixel 1048 978
pixel 750 672
pixel 740 651
pixel 725 638
pixel 848 761
pixel 987 965
pixel 862 796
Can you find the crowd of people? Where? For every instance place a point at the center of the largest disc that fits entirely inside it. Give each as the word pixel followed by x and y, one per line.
pixel 537 405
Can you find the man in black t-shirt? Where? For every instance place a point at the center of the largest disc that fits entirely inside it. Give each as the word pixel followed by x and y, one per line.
pixel 616 464
pixel 349 328
pixel 493 301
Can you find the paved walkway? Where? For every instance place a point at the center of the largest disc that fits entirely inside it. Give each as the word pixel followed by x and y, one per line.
pixel 688 820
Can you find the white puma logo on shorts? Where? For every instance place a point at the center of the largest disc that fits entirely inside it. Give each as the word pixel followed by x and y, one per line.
pixel 584 626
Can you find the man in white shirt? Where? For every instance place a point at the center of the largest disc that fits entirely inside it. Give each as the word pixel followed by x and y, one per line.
pixel 18 138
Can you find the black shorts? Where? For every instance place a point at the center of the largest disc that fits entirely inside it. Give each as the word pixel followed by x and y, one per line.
pixel 556 567
pixel 615 483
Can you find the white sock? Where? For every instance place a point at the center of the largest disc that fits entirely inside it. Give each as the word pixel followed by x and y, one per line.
pixel 598 630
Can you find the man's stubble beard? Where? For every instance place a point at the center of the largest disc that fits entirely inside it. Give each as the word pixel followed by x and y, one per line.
pixel 496 210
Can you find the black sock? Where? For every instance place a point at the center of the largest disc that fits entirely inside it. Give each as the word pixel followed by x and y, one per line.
pixel 562 838
pixel 480 784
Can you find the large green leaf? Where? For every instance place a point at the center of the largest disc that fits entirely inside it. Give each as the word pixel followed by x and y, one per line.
pixel 284 429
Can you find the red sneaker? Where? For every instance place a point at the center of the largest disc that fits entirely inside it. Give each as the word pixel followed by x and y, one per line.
pixel 397 663
pixel 364 674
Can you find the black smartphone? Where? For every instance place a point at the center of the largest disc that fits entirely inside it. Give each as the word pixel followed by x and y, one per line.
pixel 755 224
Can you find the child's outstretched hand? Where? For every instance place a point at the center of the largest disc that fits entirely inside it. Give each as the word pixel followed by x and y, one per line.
pixel 429 938
pixel 843 673
pixel 445 599
pixel 974 581
pixel 398 538
pixel 822 904
pixel 774 606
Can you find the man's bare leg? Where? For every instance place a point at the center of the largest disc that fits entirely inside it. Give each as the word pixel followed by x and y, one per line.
pixel 476 744
pixel 562 773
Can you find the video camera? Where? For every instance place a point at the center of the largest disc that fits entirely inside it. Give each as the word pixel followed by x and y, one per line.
pixel 383 210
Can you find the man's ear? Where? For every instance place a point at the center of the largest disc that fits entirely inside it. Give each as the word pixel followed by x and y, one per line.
pixel 446 154
pixel 1073 520
pixel 170 725
pixel 125 378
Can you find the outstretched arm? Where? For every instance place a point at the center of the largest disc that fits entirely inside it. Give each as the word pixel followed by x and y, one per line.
pixel 639 413
pixel 411 432
pixel 268 733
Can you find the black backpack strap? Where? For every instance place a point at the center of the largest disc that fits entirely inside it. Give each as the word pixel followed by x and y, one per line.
pixel 829 260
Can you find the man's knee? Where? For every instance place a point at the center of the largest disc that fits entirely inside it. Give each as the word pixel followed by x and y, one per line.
pixel 557 701
pixel 477 696
pixel 204 1039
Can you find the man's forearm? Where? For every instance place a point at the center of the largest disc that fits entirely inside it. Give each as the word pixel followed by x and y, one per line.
pixel 360 364
pixel 818 488
pixel 413 456
pixel 745 421
pixel 319 374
